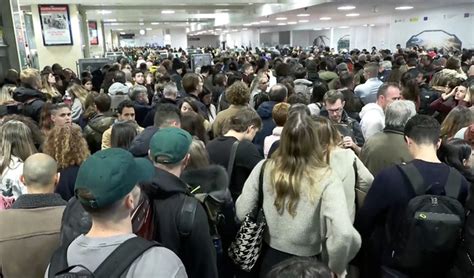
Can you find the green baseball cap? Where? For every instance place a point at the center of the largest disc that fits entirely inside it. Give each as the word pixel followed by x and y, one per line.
pixel 111 174
pixel 170 145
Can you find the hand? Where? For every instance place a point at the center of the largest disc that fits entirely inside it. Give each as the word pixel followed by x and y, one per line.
pixel 448 95
pixel 347 142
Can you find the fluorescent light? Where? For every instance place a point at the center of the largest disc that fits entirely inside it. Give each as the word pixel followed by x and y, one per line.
pixel 245 29
pixel 292 22
pixel 167 12
pixel 372 25
pixel 404 8
pixel 155 23
pixel 222 4
pixel 303 21
pixel 325 18
pixel 264 21
pixel 346 8
pixel 317 29
pixel 327 28
pixel 142 32
pixel 365 25
pixel 247 24
pixel 114 24
pixel 120 29
pixel 352 15
pixel 235 30
pixel 281 24
pixel 141 23
pixel 104 12
pixel 218 29
pixel 254 23
pixel 303 15
pixel 110 20
pixel 343 27
pixel 281 18
pixel 149 29
pixel 122 33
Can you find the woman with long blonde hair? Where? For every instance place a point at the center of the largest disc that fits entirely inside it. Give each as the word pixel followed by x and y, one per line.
pixel 303 201
pixel 16 145
pixel 78 95
pixel 69 148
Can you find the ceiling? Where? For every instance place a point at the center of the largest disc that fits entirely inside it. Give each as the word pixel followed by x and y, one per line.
pixel 216 16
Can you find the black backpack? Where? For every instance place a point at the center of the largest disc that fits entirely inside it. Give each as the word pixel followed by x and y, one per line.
pixel 114 265
pixel 426 237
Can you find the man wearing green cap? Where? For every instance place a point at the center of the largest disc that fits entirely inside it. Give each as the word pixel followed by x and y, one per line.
pixel 106 186
pixel 181 224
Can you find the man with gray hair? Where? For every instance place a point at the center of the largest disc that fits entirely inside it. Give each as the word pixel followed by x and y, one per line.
pixel 29 231
pixel 170 92
pixel 385 69
pixel 139 97
pixel 389 148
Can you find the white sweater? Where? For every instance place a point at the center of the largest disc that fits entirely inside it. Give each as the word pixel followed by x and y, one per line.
pixel 304 235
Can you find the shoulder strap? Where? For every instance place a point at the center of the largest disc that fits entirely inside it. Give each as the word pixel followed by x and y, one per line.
pixel 122 257
pixel 233 153
pixel 452 187
pixel 187 215
pixel 414 177
pixel 260 185
pixel 58 261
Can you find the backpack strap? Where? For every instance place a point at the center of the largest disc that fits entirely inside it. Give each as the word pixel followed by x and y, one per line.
pixel 230 165
pixel 414 177
pixel 58 261
pixel 452 188
pixel 124 256
pixel 187 215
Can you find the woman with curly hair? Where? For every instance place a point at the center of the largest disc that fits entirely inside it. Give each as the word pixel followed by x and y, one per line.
pixel 67 146
pixel 238 95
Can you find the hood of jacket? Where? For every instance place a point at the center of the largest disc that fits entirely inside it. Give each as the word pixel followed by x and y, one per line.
pixel 165 184
pixel 23 94
pixel 101 123
pixel 265 109
pixel 371 108
pixel 141 143
pixel 118 88
pixel 212 180
pixel 305 82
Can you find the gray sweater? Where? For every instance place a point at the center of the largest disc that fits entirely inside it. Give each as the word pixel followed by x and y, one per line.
pixel 304 235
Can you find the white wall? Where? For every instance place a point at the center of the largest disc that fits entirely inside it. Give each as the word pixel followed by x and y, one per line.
pixel 247 38
pixel 388 30
pixel 67 55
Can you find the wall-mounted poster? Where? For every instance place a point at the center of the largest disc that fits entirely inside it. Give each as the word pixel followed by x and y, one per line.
pixel 435 38
pixel 55 24
pixel 93 35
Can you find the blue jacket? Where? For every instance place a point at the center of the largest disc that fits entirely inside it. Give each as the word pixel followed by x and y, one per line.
pixel 265 113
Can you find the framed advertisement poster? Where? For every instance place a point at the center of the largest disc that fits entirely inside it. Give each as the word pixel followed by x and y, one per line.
pixel 55 24
pixel 93 36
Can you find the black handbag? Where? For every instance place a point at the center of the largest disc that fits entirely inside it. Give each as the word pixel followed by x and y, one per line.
pixel 247 246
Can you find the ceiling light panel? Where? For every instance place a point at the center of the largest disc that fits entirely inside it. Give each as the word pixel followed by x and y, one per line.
pixel 346 8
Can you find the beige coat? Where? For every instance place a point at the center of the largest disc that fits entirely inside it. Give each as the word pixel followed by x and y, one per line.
pixel 28 238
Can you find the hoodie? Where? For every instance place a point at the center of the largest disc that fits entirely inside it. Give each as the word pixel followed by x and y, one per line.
pixel 118 89
pixel 372 119
pixel 32 99
pixel 269 140
pixel 265 113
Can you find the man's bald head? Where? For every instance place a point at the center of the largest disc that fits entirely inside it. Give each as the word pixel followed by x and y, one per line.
pixel 40 170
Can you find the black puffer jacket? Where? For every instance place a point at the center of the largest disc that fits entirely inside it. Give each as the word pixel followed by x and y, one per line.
pixel 94 130
pixel 32 99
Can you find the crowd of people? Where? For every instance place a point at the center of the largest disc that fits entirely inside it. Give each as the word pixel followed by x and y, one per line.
pixel 358 164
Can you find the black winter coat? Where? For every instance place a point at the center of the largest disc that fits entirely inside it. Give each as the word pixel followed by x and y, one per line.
pixel 32 99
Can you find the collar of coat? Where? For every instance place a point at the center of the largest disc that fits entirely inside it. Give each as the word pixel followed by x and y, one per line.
pixel 31 201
